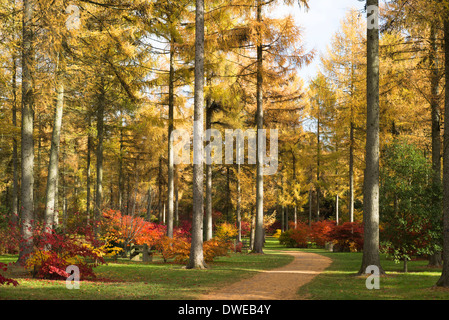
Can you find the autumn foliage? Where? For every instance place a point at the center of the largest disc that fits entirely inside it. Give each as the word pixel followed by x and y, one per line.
pixel 3 279
pixel 54 252
pixel 345 237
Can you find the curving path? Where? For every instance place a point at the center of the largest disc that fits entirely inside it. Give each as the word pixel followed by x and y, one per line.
pixel 277 284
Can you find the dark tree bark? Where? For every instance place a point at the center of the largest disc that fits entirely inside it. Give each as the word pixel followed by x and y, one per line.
pixel 196 259
pixel 170 187
pixel 208 207
pixel 371 178
pixel 27 184
pixel 53 165
pixel 435 259
pixel 88 171
pixel 443 281
pixel 15 153
pixel 259 229
pixel 100 149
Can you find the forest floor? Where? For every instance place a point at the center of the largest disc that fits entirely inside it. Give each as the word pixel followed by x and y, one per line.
pixel 277 284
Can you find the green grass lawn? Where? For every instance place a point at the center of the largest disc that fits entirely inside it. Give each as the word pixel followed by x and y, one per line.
pixel 130 280
pixel 339 281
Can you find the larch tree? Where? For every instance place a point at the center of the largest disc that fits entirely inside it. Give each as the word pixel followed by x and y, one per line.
pixel 196 258
pixel 371 256
pixel 27 144
pixel 443 281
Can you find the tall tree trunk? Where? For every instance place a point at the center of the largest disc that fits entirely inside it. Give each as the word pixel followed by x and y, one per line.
pixel 170 187
pixel 27 184
pixel 259 231
pixel 64 192
pixel 100 149
pixel 310 207
pixel 53 163
pixel 336 210
pixel 148 216
pixel 239 202
pixel 120 171
pixel 443 281
pixel 371 178
pixel 176 197
pixel 283 219
pixel 435 259
pixel 37 173
pixel 252 234
pixel 295 216
pixel 208 231
pixel 318 156
pixel 88 171
pixel 351 173
pixel 15 154
pixel 196 259
pixel 228 212
pixel 159 204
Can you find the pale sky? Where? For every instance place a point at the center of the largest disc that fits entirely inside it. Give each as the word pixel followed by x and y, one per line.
pixel 320 23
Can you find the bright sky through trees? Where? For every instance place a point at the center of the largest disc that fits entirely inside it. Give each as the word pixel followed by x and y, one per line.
pixel 320 22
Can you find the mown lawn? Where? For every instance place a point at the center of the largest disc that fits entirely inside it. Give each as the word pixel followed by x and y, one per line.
pixel 131 280
pixel 339 281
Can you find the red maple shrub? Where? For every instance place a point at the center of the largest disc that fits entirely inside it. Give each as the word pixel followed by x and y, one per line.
pixel 54 252
pixel 348 236
pixel 321 232
pixel 298 237
pixel 9 235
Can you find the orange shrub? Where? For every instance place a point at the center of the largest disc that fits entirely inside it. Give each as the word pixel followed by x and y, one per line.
pixel 215 248
pixel 321 232
pixel 173 248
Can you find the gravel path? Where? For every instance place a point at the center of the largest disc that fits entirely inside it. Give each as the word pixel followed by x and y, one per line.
pixel 277 284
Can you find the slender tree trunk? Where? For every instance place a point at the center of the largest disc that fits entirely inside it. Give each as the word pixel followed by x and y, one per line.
pixel 176 197
pixel 54 149
pixel 371 178
pixel 310 207
pixel 318 168
pixel 64 193
pixel 252 234
pixel 27 184
pixel 170 187
pixel 208 174
pixel 443 281
pixel 88 171
pixel 239 204
pixel 295 218
pixel 100 149
pixel 196 259
pixel 37 173
pixel 259 232
pixel 228 213
pixel 120 171
pixel 159 204
pixel 351 174
pixel 56 214
pixel 283 219
pixel 435 259
pixel 15 154
pixel 336 210
pixel 148 216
